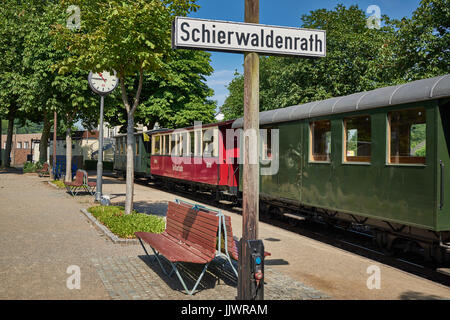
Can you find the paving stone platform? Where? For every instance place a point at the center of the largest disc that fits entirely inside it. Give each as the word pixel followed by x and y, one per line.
pixel 141 278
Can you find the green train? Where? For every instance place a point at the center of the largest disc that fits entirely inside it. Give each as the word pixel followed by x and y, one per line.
pixel 379 158
pixel 376 160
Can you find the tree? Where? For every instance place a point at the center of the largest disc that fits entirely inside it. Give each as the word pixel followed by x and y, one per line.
pixel 423 41
pixel 131 37
pixel 180 97
pixel 67 94
pixel 358 59
pixel 14 23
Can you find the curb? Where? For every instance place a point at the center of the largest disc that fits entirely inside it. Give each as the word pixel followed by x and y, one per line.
pixel 115 239
pixel 53 185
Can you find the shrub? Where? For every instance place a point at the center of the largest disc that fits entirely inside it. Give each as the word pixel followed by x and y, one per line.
pixel 92 165
pixel 30 167
pixel 125 225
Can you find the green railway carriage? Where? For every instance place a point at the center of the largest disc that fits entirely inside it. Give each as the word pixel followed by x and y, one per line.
pixel 141 154
pixel 379 158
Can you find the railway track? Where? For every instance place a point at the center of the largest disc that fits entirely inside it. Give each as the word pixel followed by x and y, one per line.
pixel 353 241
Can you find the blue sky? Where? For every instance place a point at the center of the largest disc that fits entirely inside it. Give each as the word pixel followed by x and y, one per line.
pixel 280 13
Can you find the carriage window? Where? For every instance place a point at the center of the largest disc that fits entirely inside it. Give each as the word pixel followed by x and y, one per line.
pixel 320 143
pixel 173 144
pixel 192 142
pixel 266 143
pixel 182 143
pixel 156 144
pixel 357 139
pixel 407 136
pixel 198 143
pixel 208 142
pixel 166 144
pixel 137 145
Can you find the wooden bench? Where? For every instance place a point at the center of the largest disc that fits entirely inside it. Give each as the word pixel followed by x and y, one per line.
pixel 43 171
pixel 77 184
pixel 228 243
pixel 190 236
pixel 89 185
pixel 193 234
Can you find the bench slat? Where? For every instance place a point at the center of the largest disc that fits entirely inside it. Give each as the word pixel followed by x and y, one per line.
pixel 190 219
pixel 171 249
pixel 175 227
pixel 195 224
pixel 209 219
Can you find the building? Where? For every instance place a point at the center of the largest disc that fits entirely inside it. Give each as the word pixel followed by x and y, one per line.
pixel 84 146
pixel 22 147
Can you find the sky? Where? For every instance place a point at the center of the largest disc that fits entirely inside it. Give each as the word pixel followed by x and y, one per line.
pixel 277 13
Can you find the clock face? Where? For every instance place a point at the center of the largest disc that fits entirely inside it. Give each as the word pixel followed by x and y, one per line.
pixel 103 82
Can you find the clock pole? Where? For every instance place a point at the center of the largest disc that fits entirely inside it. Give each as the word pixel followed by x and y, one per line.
pixel 98 194
pixel 102 89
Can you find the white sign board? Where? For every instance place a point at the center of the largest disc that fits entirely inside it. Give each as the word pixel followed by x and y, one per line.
pixel 190 33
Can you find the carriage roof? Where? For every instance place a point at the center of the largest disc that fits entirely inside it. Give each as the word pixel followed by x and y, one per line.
pixel 415 91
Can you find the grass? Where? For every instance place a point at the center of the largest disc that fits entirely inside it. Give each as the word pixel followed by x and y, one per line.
pixel 59 183
pixel 125 225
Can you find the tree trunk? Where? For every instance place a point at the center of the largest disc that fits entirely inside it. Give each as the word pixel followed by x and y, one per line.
pixel 69 154
pixel 43 144
pixel 130 164
pixel 130 137
pixel 7 157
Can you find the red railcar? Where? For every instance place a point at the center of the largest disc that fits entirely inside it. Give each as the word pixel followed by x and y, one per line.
pixel 197 156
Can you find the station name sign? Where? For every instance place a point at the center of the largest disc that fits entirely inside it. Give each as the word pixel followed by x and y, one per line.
pixel 191 33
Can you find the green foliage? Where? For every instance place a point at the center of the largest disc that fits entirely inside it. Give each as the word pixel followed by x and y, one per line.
pixel 123 35
pixel 181 96
pixel 31 167
pixel 59 183
pixel 125 225
pixel 92 165
pixel 423 42
pixel 27 127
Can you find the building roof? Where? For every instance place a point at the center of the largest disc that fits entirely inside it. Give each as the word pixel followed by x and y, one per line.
pixel 78 135
pixel 420 90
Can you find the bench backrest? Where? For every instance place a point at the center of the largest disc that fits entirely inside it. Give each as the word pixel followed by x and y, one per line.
pixel 79 178
pixel 45 167
pixel 193 226
pixel 231 242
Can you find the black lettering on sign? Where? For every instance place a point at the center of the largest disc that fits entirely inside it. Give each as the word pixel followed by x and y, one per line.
pixel 185 24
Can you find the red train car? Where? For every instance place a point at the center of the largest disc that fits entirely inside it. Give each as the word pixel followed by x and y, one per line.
pixel 197 156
